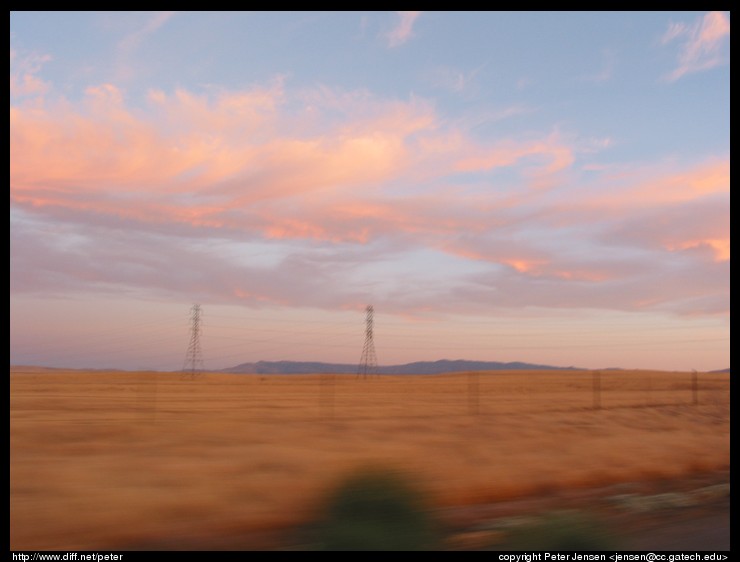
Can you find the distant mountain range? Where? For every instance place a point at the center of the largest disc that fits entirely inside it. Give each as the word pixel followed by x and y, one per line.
pixel 417 368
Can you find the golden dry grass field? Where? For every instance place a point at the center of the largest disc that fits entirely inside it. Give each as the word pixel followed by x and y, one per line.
pixel 124 459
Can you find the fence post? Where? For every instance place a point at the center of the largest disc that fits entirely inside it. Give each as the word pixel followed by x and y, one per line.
pixel 326 396
pixel 473 401
pixel 648 401
pixel 146 396
pixel 597 389
pixel 695 386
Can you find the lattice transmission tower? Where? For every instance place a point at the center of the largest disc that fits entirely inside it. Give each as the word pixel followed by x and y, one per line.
pixel 368 360
pixel 193 358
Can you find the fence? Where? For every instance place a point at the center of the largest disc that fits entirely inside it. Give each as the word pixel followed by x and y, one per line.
pixel 146 397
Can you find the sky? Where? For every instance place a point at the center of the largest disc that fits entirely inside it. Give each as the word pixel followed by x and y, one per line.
pixel 543 187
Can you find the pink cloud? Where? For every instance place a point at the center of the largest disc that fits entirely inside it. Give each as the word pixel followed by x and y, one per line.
pixel 130 43
pixel 154 22
pixel 549 155
pixel 719 247
pixel 704 179
pixel 536 261
pixel 23 74
pixel 404 29
pixel 27 85
pixel 675 211
pixel 214 159
pixel 237 160
pixel 612 230
pixel 702 43
pixel 372 175
pixel 218 153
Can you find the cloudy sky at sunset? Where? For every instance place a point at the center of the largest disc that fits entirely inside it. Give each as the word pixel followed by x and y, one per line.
pixel 542 187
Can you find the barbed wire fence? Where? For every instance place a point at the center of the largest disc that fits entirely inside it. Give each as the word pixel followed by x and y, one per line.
pixel 153 397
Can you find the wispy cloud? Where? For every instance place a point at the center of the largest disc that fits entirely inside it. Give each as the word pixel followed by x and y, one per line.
pixel 549 154
pixel 129 44
pixel 403 30
pixel 24 70
pixel 134 39
pixel 455 80
pixel 336 184
pixel 702 45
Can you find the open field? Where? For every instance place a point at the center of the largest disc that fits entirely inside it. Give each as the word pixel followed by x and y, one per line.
pixel 129 460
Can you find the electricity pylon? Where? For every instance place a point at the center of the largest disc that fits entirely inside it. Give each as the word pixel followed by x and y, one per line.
pixel 368 360
pixel 193 359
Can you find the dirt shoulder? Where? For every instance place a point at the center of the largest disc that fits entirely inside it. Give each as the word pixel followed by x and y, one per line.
pixel 691 513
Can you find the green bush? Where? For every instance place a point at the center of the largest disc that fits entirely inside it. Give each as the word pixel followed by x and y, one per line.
pixel 375 509
pixel 563 530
